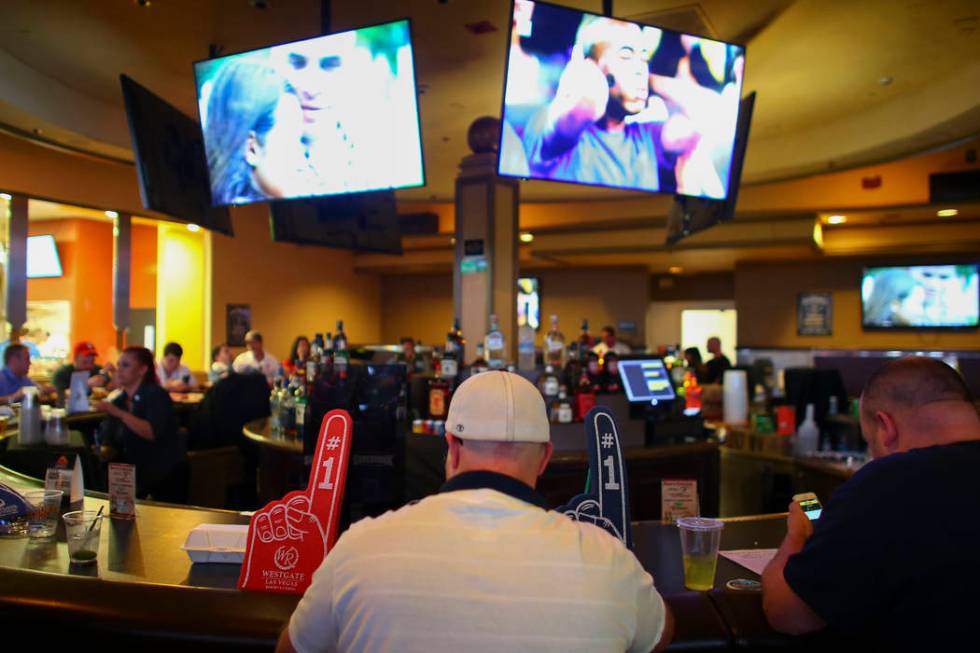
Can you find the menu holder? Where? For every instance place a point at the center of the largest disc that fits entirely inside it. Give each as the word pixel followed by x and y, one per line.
pixel 607 505
pixel 288 538
pixel 678 498
pixel 122 491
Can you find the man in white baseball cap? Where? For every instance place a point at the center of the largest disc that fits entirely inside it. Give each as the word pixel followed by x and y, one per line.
pixel 482 566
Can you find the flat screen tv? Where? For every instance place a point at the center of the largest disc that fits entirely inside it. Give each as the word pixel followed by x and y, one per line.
pixel 688 215
pixel 324 116
pixel 607 102
pixel 170 163
pixel 42 257
pixel 921 297
pixel 364 222
pixel 529 302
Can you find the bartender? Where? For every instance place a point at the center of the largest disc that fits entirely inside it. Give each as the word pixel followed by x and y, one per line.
pixel 140 428
pixel 608 342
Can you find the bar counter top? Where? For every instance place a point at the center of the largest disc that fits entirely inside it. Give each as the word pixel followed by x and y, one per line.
pixel 144 584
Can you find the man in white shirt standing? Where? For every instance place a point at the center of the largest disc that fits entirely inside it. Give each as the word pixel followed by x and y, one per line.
pixel 482 566
pixel 255 360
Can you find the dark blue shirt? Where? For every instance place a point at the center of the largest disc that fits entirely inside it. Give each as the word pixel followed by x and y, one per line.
pixel 895 557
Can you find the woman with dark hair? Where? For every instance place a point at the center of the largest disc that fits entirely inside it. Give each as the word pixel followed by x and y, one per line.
pixel 139 428
pixel 253 136
pixel 298 355
pixel 692 355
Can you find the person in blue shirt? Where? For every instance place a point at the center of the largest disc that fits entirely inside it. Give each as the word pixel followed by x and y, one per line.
pixel 583 135
pixel 13 378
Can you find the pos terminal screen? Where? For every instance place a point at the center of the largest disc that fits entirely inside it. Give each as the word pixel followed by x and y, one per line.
pixel 646 380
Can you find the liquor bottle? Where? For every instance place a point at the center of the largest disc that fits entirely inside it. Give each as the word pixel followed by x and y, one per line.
pixel 313 362
pixel 585 341
pixel 326 360
pixel 549 385
pixel 340 354
pixel 480 364
pixel 438 398
pixel 692 394
pixel 612 382
pixel 275 424
pixel 287 410
pixel 564 411
pixel 452 360
pixel 525 348
pixel 299 399
pixel 494 345
pixel 554 346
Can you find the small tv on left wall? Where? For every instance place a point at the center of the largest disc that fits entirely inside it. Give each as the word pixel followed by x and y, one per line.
pixel 43 261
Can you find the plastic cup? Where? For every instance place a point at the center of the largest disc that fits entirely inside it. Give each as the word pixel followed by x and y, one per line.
pixel 42 521
pixel 83 529
pixel 700 538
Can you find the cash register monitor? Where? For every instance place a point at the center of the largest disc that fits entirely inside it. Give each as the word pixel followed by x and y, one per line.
pixel 646 380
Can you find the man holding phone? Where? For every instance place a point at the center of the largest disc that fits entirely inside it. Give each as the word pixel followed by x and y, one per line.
pixel 893 557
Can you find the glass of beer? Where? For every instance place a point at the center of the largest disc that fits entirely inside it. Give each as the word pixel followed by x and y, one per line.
pixel 700 538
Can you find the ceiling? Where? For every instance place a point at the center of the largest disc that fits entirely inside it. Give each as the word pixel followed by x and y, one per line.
pixel 840 83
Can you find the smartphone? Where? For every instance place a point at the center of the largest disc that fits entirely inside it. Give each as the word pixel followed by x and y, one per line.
pixel 810 504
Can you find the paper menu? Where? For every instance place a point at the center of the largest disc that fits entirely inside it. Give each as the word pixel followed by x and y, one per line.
pixel 752 559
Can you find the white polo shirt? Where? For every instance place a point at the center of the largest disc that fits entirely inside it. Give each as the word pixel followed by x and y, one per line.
pixel 245 363
pixel 478 570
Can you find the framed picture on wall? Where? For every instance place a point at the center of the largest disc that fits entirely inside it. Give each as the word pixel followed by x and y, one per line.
pixel 238 322
pixel 814 314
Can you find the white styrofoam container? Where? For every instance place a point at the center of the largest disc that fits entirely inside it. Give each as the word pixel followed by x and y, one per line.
pixel 217 543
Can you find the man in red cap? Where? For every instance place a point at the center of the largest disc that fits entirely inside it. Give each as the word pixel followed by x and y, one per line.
pixel 84 361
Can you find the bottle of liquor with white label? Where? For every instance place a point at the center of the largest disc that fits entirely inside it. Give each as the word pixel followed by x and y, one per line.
pixel 554 346
pixel 525 348
pixel 564 407
pixel 494 345
pixel 549 385
pixel 340 354
pixel 585 342
pixel 452 358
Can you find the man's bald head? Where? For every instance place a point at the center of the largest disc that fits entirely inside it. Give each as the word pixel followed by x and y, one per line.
pixel 916 401
pixel 912 382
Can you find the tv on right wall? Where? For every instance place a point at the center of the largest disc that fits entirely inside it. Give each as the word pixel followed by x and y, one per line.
pixel 921 297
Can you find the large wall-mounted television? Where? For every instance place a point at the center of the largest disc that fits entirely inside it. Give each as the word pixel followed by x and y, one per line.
pixel 43 261
pixel 921 297
pixel 363 222
pixel 170 163
pixel 323 116
pixel 689 215
pixel 608 102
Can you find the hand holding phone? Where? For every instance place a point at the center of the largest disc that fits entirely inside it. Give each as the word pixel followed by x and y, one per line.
pixel 810 504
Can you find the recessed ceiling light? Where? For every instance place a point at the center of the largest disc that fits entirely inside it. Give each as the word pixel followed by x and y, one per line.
pixel 836 219
pixel 675 269
pixel 193 227
pixel 947 213
pixel 527 237
pixel 111 214
pixel 5 196
pixel 885 80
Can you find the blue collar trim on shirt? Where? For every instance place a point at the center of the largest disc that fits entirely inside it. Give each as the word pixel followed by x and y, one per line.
pixel 508 485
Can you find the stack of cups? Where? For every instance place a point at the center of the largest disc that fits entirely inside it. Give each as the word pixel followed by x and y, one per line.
pixel 735 400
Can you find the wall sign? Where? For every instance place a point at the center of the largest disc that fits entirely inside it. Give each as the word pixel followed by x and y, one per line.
pixel 238 320
pixel 814 314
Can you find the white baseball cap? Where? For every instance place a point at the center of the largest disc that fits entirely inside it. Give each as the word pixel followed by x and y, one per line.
pixel 498 407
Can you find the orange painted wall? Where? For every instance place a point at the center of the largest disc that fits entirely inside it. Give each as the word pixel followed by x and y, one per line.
pixel 143 270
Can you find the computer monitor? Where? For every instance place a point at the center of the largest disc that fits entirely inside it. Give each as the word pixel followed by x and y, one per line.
pixel 646 380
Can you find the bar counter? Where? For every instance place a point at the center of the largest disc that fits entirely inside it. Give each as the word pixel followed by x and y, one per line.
pixel 145 586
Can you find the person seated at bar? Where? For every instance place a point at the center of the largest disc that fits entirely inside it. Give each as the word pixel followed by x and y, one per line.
pixel 256 360
pixel 608 342
pixel 482 565
pixel 13 378
pixel 893 557
pixel 221 362
pixel 299 353
pixel 174 376
pixel 140 428
pixel 715 368
pixel 83 360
